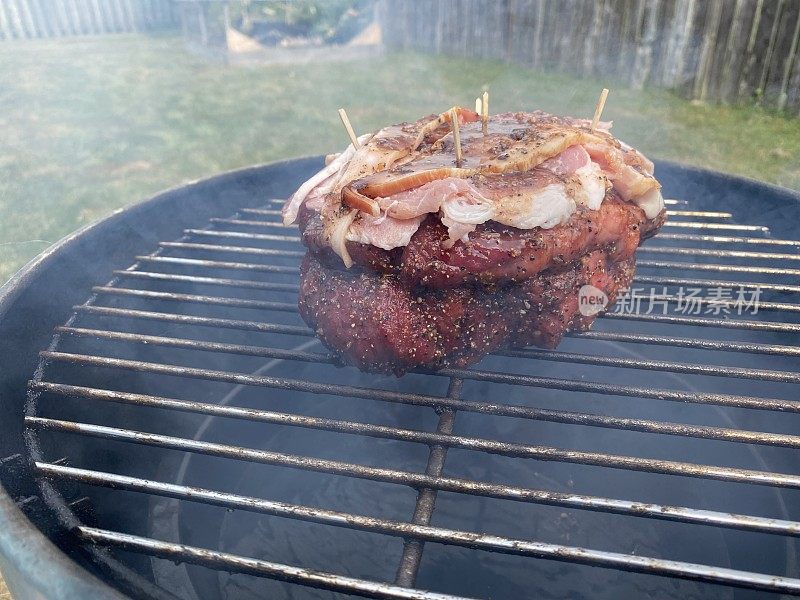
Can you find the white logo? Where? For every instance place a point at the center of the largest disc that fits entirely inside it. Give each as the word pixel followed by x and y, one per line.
pixel 591 300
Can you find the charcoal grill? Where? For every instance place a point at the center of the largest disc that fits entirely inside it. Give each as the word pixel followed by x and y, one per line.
pixel 184 435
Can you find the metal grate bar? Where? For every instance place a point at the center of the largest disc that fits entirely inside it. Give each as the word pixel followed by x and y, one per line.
pixel 192 320
pixel 700 344
pixel 721 303
pixel 242 283
pixel 228 323
pixel 189 344
pixel 661 236
pixel 624 390
pixel 722 239
pixel 537 354
pixel 716 267
pixel 248 223
pixel 260 211
pixel 699 213
pixel 719 253
pixel 713 283
pixel 233 249
pixel 216 264
pixel 426 497
pixel 708 322
pixel 451 404
pixel 287 307
pixel 546 453
pixel 685 237
pixel 418 480
pixel 257 325
pixel 642 425
pixel 236 283
pixel 645 249
pixel 720 226
pixel 281 509
pixel 558 416
pixel 209 264
pixel 242 235
pixel 656 365
pixel 530 381
pixel 334 518
pixel 533 496
pixel 724 268
pixel 687 224
pixel 673 202
pixel 750 347
pixel 240 564
pixel 197 299
pixel 224 561
pixel 527 495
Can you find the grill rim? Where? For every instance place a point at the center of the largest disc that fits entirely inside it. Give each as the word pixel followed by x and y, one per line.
pixel 30 559
pixel 27 559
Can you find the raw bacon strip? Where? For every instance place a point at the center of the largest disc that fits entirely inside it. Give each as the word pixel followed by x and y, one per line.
pixel 652 203
pixel 335 233
pixel 425 199
pixel 536 146
pixel 457 231
pixel 569 161
pixel 292 206
pixel 627 180
pixel 628 172
pixel 521 155
pixel 545 207
pixel 529 170
pixel 383 232
pixel 537 198
pixel 356 200
pixel 588 184
pixel 389 184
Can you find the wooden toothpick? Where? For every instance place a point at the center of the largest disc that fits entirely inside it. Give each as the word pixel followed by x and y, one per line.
pixel 485 112
pixel 598 110
pixel 456 135
pixel 349 128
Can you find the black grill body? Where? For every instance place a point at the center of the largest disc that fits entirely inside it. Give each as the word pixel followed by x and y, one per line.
pixel 741 382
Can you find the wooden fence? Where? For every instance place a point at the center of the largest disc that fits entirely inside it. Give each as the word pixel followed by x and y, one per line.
pixel 25 19
pixel 728 51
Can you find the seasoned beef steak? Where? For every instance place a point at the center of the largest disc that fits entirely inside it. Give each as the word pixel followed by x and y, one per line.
pixel 495 253
pixel 498 254
pixel 378 324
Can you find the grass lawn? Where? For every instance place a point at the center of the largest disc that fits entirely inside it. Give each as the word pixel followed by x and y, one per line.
pixel 89 125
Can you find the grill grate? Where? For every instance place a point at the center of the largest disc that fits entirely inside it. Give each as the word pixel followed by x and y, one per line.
pixel 179 263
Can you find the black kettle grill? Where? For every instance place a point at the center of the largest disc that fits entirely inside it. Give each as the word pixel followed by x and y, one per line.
pixel 171 428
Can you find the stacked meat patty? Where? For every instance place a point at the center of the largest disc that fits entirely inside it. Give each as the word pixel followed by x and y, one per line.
pixel 417 260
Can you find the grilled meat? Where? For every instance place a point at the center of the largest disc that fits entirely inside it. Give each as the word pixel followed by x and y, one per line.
pixel 418 262
pixel 379 324
pixel 494 253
